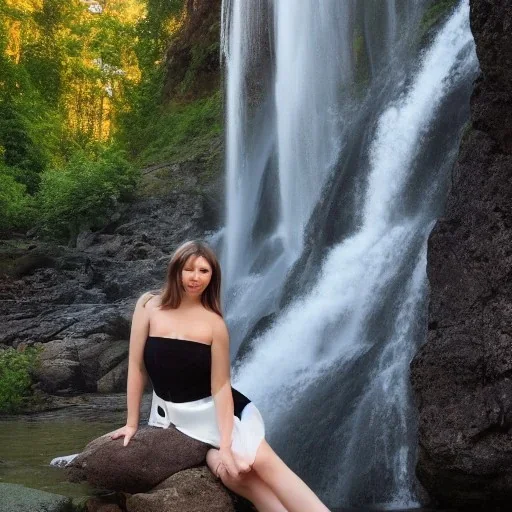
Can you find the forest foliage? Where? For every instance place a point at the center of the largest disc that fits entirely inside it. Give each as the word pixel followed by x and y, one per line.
pixel 80 94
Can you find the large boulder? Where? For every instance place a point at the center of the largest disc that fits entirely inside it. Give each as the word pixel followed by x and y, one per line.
pixel 193 490
pixel 462 376
pixel 96 363
pixel 151 456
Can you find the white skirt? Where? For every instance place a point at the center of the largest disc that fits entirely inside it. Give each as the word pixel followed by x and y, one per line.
pixel 198 419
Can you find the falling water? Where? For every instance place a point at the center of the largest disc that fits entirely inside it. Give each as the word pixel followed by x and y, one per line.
pixel 340 140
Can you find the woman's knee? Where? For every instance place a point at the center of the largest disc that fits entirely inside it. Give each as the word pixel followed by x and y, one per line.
pixel 213 460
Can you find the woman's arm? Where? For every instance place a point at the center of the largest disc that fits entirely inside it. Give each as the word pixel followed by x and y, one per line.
pixel 223 397
pixel 221 382
pixel 137 375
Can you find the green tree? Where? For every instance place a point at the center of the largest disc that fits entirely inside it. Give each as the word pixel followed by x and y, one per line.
pixel 84 193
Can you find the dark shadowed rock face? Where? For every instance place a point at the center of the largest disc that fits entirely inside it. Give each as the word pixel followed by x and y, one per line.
pixel 462 376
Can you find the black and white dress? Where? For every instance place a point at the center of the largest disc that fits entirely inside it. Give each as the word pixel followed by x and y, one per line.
pixel 180 371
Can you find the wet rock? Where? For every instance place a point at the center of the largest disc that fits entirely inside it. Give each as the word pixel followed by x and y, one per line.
pixel 490 105
pixel 62 462
pixel 193 490
pixel 18 498
pixel 151 456
pixel 115 380
pixel 462 376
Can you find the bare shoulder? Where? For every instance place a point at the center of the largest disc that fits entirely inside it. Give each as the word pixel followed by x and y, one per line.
pixel 148 300
pixel 219 328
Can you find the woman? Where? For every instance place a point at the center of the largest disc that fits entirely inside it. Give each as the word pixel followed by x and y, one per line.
pixel 180 340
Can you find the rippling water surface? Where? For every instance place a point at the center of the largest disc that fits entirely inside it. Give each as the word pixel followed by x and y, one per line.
pixel 29 442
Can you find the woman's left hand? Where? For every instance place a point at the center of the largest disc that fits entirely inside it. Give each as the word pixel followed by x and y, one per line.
pixel 242 466
pixel 233 466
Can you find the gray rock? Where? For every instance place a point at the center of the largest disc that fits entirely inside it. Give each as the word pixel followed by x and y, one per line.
pixel 85 364
pixel 115 380
pixel 43 324
pixel 84 240
pixel 28 263
pixel 18 498
pixel 58 349
pixel 114 353
pixel 60 376
pixel 59 370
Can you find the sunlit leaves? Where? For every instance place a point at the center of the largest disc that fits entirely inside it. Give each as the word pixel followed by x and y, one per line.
pixel 71 80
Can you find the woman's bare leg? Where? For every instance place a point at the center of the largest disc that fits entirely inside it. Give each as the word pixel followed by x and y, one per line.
pixel 249 485
pixel 292 492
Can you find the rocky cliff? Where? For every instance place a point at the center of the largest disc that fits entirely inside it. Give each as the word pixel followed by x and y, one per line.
pixel 462 376
pixel 78 301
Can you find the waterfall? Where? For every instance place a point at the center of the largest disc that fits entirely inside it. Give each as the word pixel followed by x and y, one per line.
pixel 342 127
pixel 309 71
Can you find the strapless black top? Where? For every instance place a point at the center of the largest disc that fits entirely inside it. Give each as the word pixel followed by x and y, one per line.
pixel 180 370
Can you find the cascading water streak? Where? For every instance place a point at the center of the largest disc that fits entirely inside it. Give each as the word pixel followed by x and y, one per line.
pixel 310 70
pixel 335 392
pixel 293 88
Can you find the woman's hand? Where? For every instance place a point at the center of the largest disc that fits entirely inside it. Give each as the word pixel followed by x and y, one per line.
pixel 231 464
pixel 127 432
pixel 242 466
pixel 227 462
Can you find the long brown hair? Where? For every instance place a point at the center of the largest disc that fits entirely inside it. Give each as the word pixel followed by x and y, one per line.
pixel 172 291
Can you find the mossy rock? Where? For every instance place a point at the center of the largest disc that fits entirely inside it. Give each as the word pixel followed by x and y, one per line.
pixel 437 13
